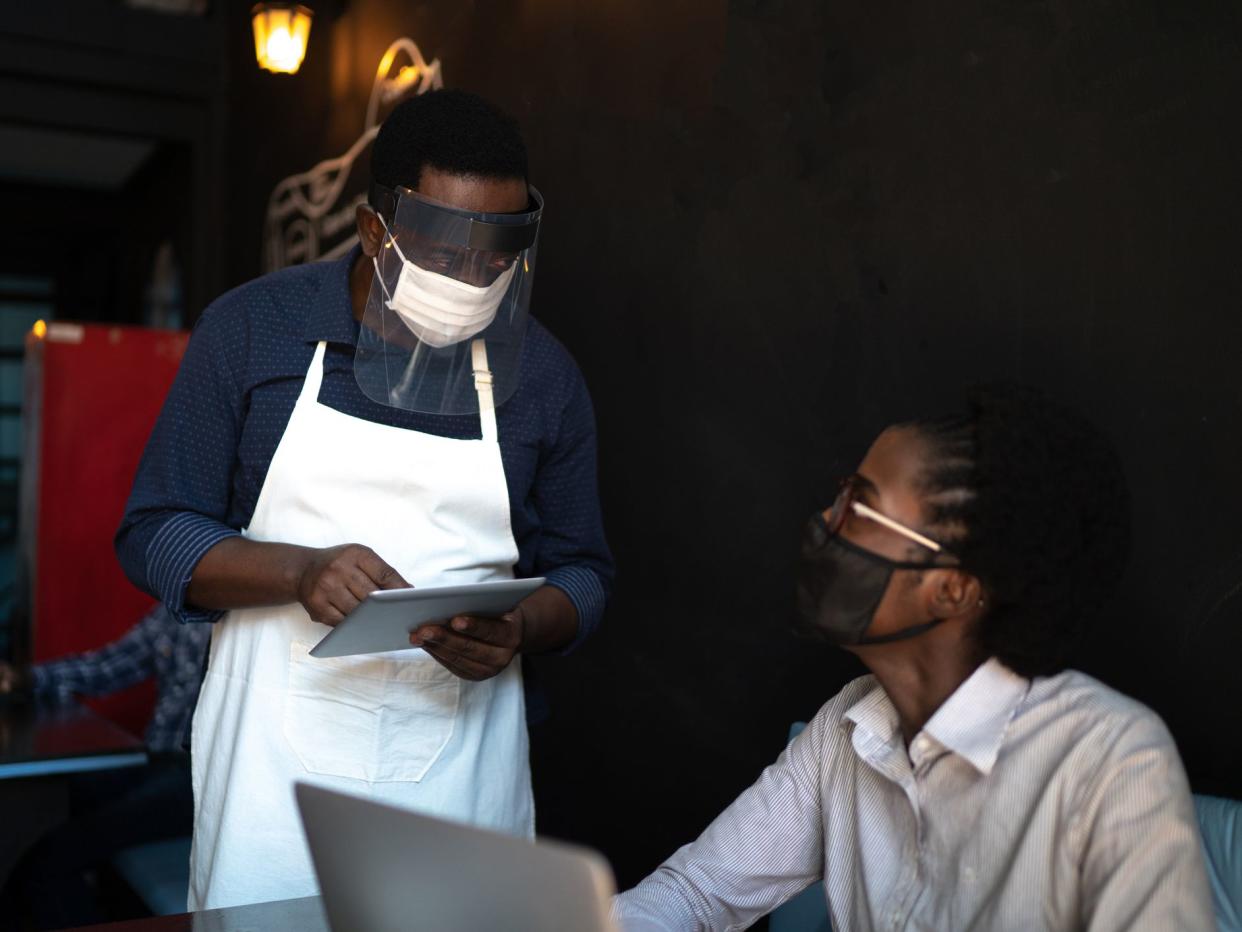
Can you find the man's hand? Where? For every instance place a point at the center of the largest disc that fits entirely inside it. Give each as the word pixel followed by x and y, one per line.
pixel 478 648
pixel 335 580
pixel 13 679
pixel 471 647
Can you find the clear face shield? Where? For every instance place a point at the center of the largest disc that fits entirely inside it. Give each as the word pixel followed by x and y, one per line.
pixel 445 278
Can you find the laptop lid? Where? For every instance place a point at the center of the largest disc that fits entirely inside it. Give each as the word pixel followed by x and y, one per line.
pixel 381 868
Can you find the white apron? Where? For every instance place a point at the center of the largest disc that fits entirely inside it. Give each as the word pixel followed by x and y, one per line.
pixel 394 727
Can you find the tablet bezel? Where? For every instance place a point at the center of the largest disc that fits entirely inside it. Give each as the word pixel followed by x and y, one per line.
pixel 378 619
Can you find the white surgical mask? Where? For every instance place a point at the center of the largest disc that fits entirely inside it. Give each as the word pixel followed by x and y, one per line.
pixel 439 309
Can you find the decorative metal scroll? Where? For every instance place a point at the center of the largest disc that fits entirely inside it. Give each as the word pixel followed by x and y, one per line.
pixel 310 215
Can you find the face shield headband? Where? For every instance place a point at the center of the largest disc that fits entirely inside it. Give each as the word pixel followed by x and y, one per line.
pixel 505 233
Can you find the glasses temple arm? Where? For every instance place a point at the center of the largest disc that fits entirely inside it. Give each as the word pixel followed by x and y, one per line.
pixel 872 514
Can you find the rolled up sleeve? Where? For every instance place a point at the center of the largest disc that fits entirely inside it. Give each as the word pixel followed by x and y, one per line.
pixel 572 552
pixel 178 506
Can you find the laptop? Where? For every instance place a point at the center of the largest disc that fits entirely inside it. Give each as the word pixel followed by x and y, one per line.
pixel 383 869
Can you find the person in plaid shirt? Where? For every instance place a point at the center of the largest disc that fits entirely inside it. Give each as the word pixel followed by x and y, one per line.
pixel 112 810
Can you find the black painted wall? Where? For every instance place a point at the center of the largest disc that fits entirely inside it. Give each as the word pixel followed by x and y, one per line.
pixel 775 227
pixel 101 67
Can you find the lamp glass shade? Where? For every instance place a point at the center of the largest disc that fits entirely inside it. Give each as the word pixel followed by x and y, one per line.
pixel 281 31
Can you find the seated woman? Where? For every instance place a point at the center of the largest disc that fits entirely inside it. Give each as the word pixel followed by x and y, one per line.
pixel 971 781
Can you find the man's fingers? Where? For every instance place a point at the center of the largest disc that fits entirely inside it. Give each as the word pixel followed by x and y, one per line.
pixel 380 573
pixel 448 661
pixel 341 599
pixel 490 630
pixel 468 648
pixel 359 584
pixel 457 665
pixel 329 605
pixel 327 615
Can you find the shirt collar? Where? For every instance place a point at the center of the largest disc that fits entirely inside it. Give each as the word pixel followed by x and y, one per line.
pixel 875 714
pixel 331 314
pixel 971 723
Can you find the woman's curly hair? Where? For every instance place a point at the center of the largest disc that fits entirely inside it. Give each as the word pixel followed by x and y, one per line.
pixel 1032 498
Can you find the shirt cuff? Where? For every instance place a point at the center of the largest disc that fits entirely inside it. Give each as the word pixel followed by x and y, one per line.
pixel 586 592
pixel 173 553
pixel 632 917
pixel 44 684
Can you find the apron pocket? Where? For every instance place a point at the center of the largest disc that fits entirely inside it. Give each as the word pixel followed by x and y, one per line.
pixel 369 717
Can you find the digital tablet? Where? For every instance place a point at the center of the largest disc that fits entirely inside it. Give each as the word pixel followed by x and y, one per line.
pixel 385 618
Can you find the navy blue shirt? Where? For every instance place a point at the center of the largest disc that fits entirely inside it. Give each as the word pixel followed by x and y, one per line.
pixel 211 447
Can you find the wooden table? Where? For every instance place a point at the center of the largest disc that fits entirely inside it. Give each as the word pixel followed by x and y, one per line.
pixel 39 749
pixel 304 915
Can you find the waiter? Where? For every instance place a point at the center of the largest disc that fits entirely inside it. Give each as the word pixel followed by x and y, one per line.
pixel 393 418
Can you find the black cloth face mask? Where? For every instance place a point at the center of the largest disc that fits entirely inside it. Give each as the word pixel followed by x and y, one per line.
pixel 840 586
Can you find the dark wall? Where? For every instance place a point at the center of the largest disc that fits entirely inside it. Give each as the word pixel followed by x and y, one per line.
pixel 773 228
pixel 97 68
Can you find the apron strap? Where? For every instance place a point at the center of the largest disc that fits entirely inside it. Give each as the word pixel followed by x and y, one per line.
pixel 483 387
pixel 314 376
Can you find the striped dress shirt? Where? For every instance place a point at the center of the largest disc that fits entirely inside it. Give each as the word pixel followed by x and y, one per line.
pixel 1053 803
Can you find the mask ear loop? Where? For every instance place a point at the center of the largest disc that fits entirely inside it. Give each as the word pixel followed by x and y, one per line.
pixel 388 233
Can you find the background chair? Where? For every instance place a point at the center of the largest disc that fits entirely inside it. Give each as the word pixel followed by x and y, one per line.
pixel 1220 823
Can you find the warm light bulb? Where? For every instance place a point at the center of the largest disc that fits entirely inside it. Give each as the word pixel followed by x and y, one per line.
pixel 284 51
pixel 39 330
pixel 281 31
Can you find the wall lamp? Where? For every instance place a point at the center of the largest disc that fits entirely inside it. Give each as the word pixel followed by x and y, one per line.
pixel 281 31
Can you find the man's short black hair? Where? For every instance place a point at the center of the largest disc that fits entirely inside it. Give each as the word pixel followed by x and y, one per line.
pixel 453 131
pixel 1033 499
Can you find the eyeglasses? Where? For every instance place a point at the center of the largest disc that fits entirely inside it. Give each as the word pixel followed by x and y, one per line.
pixel 846 503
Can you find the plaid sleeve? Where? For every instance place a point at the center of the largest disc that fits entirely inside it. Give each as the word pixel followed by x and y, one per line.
pixel 124 662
